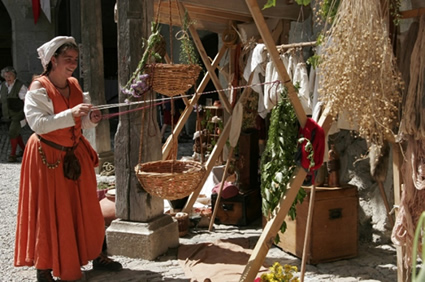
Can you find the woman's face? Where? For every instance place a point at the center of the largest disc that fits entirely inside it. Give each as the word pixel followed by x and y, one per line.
pixel 66 63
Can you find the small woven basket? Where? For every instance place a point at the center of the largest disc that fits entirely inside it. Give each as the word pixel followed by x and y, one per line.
pixel 172 79
pixel 170 179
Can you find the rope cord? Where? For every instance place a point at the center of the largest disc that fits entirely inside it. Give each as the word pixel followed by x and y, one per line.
pixel 160 101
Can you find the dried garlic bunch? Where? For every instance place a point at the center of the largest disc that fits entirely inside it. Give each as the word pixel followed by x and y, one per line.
pixel 358 70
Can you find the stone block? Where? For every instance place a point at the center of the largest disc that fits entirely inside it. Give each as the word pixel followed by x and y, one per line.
pixel 142 240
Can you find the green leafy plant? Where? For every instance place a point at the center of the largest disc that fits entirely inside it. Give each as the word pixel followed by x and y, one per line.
pixel 137 82
pixel 328 9
pixel 278 160
pixel 272 3
pixel 188 54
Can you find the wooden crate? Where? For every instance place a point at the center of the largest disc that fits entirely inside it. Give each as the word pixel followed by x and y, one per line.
pixel 334 230
pixel 239 210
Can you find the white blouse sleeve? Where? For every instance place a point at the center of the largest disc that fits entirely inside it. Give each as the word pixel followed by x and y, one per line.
pixel 40 114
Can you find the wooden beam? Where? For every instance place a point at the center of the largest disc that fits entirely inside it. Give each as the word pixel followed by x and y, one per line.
pixel 282 10
pixel 412 13
pixel 205 59
pixel 274 54
pixel 189 108
pixel 273 226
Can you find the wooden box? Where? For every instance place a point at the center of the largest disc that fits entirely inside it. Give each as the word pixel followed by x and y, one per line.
pixel 334 230
pixel 239 210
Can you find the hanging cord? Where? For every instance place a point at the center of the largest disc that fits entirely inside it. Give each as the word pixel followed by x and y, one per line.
pixel 161 101
pixel 173 148
pixel 171 32
pixel 141 140
pixel 152 115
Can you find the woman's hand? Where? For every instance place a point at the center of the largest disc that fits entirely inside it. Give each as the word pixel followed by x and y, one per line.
pixel 95 115
pixel 81 110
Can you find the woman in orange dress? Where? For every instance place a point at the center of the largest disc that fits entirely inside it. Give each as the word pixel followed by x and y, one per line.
pixel 60 226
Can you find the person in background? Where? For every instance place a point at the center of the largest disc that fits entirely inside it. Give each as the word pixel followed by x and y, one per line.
pixel 60 226
pixel 12 95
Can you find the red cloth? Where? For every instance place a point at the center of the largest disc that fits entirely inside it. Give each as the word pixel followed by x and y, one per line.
pixel 59 223
pixel 36 10
pixel 229 190
pixel 313 132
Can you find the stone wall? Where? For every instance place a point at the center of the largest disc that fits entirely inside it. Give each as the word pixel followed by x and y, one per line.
pixel 27 37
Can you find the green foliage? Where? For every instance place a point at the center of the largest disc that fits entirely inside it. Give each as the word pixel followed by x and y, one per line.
pixel 188 54
pixel 150 44
pixel 272 3
pixel 395 11
pixel 328 9
pixel 314 60
pixel 278 160
pixel 303 2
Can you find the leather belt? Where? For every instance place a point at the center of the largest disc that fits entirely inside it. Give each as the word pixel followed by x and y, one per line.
pixel 54 145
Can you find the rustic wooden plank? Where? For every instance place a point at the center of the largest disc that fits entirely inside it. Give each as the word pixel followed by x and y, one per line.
pixel 412 13
pixel 189 107
pixel 282 10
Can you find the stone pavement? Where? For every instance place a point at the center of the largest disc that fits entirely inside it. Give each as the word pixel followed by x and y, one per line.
pixel 374 262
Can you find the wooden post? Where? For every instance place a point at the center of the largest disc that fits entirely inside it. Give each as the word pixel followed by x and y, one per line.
pixel 134 23
pixel 93 76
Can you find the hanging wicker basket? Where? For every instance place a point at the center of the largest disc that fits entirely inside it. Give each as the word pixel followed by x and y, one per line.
pixel 170 179
pixel 172 79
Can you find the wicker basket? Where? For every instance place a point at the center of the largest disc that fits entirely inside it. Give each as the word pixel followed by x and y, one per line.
pixel 172 79
pixel 170 179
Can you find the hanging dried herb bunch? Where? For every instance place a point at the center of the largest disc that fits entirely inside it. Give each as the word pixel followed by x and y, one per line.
pixel 358 70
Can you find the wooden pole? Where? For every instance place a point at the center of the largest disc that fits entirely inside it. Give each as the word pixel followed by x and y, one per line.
pixel 223 179
pixel 274 55
pixel 402 273
pixel 385 199
pixel 306 247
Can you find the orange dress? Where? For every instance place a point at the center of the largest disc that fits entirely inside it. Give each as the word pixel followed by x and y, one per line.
pixel 59 223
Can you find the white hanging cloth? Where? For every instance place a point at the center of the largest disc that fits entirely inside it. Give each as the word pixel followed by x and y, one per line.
pixel 255 64
pixel 297 72
pixel 272 90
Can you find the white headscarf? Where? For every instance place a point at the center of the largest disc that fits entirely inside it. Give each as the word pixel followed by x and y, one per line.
pixel 46 51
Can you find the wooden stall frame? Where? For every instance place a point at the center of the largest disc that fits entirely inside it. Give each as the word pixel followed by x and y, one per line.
pixel 273 226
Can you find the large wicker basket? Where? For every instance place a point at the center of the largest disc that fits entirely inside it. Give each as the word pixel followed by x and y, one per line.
pixel 170 179
pixel 172 79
